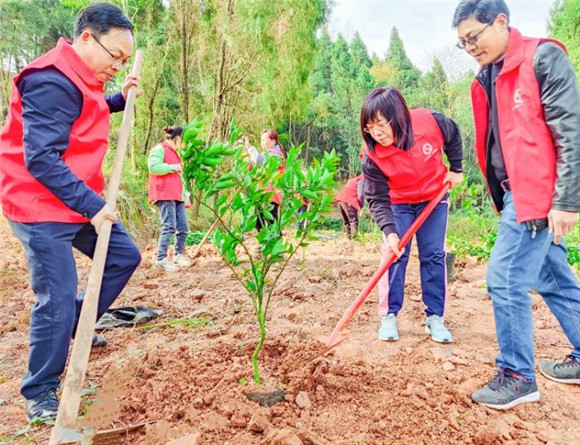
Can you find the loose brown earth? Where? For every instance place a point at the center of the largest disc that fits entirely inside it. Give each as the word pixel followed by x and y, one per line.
pixel 193 381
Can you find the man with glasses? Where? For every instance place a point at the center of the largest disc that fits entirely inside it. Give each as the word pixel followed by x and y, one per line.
pixel 526 105
pixel 51 184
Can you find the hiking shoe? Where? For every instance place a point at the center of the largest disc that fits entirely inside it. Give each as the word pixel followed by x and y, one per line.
pixel 506 390
pixel 42 407
pixel 436 327
pixel 389 330
pixel 98 341
pixel 182 261
pixel 567 371
pixel 166 265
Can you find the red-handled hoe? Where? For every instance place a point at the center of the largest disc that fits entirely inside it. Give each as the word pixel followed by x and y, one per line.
pixel 338 335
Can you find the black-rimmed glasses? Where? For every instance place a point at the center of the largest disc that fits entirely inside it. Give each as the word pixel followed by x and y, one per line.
pixel 118 63
pixel 462 44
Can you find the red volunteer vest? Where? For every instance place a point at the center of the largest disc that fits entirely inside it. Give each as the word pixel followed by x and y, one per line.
pixel 415 175
pixel 167 187
pixel 526 142
pixel 23 198
pixel 277 151
pixel 349 193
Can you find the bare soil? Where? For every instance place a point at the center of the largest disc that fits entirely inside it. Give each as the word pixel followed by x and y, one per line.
pixel 193 380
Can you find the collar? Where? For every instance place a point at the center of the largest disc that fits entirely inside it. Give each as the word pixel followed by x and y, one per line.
pixel 77 64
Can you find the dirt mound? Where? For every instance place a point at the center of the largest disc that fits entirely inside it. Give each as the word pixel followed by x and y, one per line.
pixel 191 372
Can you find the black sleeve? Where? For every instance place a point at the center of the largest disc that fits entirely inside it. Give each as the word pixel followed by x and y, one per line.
pixel 560 96
pixel 453 145
pixel 377 194
pixel 51 103
pixel 116 102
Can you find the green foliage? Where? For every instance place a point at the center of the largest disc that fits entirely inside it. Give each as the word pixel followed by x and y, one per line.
pixel 406 75
pixel 194 237
pixel 240 194
pixel 565 26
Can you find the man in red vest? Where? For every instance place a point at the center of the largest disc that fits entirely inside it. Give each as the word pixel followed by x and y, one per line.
pixel 52 147
pixel 526 105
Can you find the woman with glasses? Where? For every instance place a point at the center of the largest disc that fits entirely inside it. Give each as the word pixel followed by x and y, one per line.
pixel 404 169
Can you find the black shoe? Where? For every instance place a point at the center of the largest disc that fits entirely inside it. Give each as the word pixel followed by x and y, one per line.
pixel 43 407
pixel 98 341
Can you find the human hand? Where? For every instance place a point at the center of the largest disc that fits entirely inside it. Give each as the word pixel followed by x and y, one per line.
pixel 104 214
pixel 455 178
pixel 131 80
pixel 177 168
pixel 561 223
pixel 393 245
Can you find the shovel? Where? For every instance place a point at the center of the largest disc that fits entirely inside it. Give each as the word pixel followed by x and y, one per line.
pixel 65 429
pixel 338 335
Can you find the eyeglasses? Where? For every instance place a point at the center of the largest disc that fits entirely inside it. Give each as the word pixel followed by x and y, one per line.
pixel 462 44
pixel 118 62
pixel 382 126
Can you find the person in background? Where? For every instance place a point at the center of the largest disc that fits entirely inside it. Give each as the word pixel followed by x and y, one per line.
pixel 403 169
pixel 526 106
pixel 271 145
pixel 52 147
pixel 169 194
pixel 350 200
pixel 253 155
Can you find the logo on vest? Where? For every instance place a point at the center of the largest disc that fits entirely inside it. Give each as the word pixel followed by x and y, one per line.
pixel 428 150
pixel 518 100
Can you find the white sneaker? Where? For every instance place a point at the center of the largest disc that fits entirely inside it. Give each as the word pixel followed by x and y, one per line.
pixel 182 261
pixel 166 265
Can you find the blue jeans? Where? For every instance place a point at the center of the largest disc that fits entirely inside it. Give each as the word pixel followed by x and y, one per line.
pixel 173 221
pixel 518 264
pixel 53 278
pixel 431 244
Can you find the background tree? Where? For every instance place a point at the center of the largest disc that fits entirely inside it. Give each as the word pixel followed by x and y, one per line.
pixel 565 26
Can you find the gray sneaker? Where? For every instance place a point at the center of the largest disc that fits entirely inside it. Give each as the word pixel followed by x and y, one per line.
pixel 166 265
pixel 506 390
pixel 567 371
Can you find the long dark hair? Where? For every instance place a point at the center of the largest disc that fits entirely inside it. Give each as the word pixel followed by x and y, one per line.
pixel 390 103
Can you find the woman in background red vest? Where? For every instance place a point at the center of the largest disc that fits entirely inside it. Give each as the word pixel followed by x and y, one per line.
pixel 270 143
pixel 403 169
pixel 350 200
pixel 168 192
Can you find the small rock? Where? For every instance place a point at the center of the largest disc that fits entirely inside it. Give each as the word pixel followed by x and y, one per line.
pixel 285 437
pixel 448 366
pixel 409 350
pixel 2 402
pixel 258 423
pixel 197 295
pixel 303 401
pixel 190 439
pixel 238 421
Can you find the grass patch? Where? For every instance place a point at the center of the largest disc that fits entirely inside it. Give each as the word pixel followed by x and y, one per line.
pixel 193 322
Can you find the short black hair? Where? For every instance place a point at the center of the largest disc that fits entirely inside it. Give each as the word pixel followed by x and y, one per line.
pixel 390 103
pixel 484 11
pixel 101 18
